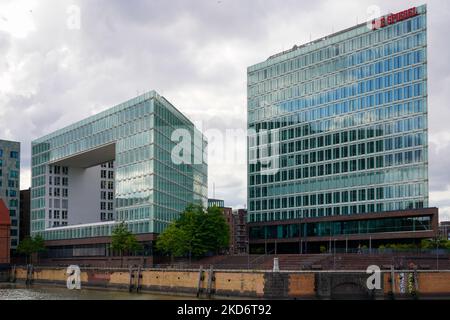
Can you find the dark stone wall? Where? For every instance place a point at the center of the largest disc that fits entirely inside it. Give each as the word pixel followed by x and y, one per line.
pixel 276 285
pixel 330 285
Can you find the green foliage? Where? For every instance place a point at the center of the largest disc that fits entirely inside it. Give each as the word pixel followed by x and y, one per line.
pixel 195 233
pixel 424 244
pixel 29 245
pixel 440 243
pixel 323 249
pixel 122 240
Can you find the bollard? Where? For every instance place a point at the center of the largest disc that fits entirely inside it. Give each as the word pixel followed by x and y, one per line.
pixel 276 266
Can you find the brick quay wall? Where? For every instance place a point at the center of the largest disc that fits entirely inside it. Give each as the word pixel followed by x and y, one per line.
pixel 260 284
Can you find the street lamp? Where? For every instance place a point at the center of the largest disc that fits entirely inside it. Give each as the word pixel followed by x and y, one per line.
pixel 334 255
pixel 438 240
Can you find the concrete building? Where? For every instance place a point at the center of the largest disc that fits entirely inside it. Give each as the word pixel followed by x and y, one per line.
pixel 141 162
pixel 237 224
pixel 10 184
pixel 338 140
pixel 5 238
pixel 25 213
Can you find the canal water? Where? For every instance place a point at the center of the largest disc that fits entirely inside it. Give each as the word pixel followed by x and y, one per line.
pixel 38 292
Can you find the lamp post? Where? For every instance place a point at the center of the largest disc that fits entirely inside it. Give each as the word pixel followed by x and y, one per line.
pixel 437 252
pixel 334 255
pixel 248 255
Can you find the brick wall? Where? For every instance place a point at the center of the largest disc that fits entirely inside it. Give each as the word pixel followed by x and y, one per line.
pixel 5 224
pixel 257 284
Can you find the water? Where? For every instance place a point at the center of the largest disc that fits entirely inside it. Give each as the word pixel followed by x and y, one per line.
pixel 38 292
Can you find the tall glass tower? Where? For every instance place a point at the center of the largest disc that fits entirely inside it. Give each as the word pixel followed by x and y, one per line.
pixel 338 127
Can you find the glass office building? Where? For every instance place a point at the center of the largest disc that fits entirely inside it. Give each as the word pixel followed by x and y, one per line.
pixel 338 126
pixel 10 184
pixel 123 164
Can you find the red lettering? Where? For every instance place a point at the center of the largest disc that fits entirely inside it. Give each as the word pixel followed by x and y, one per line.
pixel 393 18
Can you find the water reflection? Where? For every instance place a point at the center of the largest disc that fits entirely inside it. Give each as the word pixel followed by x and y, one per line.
pixel 21 292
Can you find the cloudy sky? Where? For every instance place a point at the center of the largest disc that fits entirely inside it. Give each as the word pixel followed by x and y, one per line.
pixel 62 61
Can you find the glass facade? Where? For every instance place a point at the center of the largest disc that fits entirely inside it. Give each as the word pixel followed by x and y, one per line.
pixel 339 228
pixel 152 184
pixel 344 119
pixel 10 184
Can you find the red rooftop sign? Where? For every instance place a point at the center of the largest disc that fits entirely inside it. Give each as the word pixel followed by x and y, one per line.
pixel 394 18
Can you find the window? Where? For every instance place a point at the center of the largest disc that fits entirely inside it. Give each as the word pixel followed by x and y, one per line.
pixel 14 154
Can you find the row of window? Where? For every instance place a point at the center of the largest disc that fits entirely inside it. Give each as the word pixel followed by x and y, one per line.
pixel 399 175
pixel 337 228
pixel 12 155
pixel 107 185
pixel 347 196
pixel 56 192
pixel 106 216
pixel 57 181
pixel 341 167
pixel 305 149
pixel 106 205
pixel 268 144
pixel 57 214
pixel 348 46
pixel 56 169
pixel 338 74
pixel 338 111
pixel 363 102
pixel 329 211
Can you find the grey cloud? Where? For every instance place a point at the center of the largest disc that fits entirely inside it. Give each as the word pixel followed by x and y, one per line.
pixel 195 53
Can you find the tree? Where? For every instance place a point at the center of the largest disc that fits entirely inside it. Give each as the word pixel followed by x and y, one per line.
pixel 173 241
pixel 440 243
pixel 122 241
pixel 195 233
pixel 29 246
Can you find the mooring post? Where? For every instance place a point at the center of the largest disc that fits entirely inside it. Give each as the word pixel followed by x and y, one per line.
pixel 12 277
pixel 392 281
pixel 210 280
pixel 139 277
pixel 29 278
pixel 131 271
pixel 200 279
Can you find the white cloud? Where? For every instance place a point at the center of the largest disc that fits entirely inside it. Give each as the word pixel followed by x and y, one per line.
pixel 16 17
